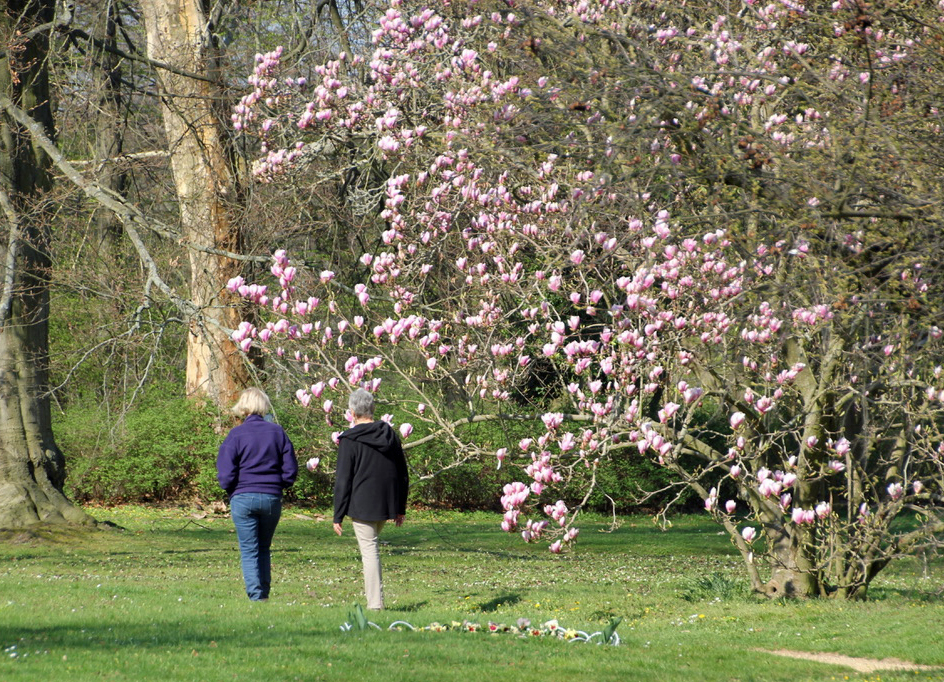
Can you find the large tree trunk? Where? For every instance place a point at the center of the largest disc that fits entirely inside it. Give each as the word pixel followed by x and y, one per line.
pixel 178 35
pixel 791 574
pixel 32 470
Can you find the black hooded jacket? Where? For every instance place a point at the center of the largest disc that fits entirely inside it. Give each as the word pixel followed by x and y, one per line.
pixel 371 481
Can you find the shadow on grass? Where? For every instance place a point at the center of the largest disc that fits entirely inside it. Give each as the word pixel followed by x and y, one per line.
pixel 933 595
pixel 155 636
pixel 407 608
pixel 500 600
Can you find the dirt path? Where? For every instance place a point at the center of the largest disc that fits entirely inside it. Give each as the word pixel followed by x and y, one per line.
pixel 862 665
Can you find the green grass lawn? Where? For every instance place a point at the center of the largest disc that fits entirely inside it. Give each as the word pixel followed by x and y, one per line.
pixel 163 600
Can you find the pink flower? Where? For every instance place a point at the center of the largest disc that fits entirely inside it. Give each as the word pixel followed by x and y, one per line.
pixel 406 429
pixel 769 487
pixel 917 486
pixel 712 500
pixel 895 490
pixel 748 534
pixel 737 419
pixel 312 463
pixel 556 547
pixel 667 412
pixel 361 291
pixel 730 506
pixel 822 510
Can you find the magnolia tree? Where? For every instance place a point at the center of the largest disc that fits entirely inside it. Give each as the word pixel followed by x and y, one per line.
pixel 703 233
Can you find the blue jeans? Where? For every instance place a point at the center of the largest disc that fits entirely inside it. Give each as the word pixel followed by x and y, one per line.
pixel 255 516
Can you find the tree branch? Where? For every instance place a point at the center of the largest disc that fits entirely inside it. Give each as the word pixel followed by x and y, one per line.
pixel 129 215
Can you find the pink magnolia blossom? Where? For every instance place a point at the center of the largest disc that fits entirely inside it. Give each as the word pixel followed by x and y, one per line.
pixel 895 490
pixel 769 487
pixel 803 516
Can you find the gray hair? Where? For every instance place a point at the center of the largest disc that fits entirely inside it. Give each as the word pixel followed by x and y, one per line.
pixel 252 401
pixel 361 403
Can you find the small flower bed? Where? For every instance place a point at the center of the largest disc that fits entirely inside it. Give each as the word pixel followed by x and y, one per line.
pixel 523 629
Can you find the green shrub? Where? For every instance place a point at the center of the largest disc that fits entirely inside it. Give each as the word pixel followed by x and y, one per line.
pixel 163 449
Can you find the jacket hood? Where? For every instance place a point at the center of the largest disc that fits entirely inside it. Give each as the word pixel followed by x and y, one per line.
pixel 377 435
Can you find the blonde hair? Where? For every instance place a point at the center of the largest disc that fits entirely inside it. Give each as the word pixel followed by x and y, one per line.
pixel 252 401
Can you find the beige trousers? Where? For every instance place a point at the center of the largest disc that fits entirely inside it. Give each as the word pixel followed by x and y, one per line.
pixel 367 533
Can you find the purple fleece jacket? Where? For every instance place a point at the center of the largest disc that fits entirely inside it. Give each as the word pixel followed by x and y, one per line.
pixel 256 457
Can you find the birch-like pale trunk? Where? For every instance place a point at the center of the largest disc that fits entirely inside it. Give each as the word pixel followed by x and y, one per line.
pixel 178 35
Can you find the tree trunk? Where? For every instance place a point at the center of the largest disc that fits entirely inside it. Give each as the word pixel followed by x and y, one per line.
pixel 178 34
pixel 32 469
pixel 109 131
pixel 791 574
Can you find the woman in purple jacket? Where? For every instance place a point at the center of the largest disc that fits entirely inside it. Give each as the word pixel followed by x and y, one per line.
pixel 371 486
pixel 255 464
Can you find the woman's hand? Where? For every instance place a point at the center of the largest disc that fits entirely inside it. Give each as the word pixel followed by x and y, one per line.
pixel 337 528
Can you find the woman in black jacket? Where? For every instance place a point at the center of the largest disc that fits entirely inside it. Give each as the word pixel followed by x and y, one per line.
pixel 371 486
